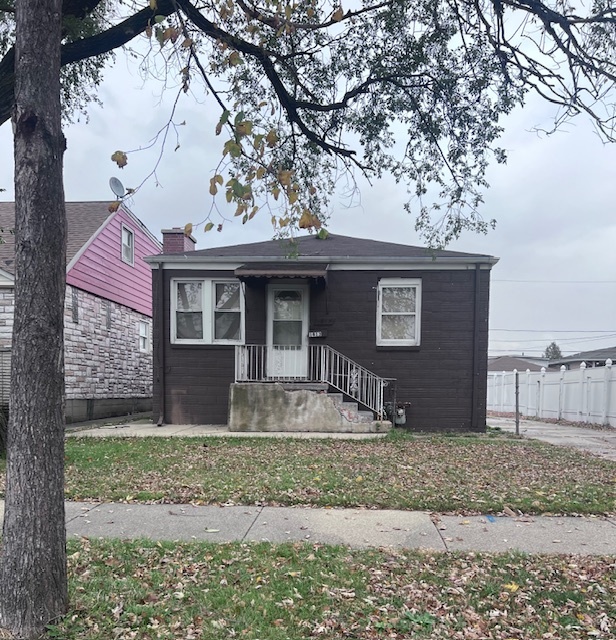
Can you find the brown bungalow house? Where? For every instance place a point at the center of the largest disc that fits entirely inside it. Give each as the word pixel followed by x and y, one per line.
pixel 381 324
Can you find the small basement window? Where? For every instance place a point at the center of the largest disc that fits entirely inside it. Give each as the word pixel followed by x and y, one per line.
pixel 398 321
pixel 128 245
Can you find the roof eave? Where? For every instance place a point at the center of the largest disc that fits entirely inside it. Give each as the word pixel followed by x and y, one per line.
pixel 181 257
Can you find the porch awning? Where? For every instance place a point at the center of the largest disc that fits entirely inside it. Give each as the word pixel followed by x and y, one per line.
pixel 288 269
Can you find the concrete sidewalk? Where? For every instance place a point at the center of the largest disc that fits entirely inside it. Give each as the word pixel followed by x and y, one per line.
pixel 600 442
pixel 354 527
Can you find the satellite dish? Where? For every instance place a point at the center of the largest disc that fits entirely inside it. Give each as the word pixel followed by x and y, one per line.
pixel 117 187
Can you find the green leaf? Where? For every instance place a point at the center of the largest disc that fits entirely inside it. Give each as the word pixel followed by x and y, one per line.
pixel 160 36
pixel 238 189
pixel 235 59
pixel 224 118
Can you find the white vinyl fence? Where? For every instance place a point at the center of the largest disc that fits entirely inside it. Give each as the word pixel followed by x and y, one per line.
pixel 579 395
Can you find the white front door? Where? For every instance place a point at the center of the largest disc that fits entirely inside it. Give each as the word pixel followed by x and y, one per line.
pixel 287 331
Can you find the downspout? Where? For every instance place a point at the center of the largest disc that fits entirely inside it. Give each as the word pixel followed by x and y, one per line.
pixel 162 337
pixel 476 337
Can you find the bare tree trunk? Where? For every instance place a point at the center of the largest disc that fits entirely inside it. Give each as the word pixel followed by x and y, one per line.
pixel 33 587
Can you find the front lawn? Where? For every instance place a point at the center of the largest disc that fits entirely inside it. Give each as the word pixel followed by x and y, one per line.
pixel 461 474
pixel 149 590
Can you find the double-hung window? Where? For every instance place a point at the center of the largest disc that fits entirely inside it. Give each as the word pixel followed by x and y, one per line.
pixel 398 320
pixel 188 311
pixel 227 312
pixel 144 337
pixel 128 245
pixel 207 311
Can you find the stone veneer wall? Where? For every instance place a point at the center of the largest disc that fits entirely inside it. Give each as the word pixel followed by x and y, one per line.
pixel 102 356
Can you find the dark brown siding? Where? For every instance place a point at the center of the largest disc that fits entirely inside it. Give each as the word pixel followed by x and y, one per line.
pixel 482 364
pixel 436 377
pixel 157 346
pixel 196 381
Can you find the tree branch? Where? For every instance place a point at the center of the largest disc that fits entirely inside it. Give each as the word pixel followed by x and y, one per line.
pixel 103 42
pixel 79 8
pixel 275 22
pixel 288 103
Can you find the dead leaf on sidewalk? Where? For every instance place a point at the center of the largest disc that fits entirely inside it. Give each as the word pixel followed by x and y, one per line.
pixel 525 519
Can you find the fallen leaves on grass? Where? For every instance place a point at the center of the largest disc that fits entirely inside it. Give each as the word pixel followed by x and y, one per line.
pixel 189 591
pixel 462 475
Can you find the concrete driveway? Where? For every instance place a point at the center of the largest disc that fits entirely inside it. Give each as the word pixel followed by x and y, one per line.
pixel 600 443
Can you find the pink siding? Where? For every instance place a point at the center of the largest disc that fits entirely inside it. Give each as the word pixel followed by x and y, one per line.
pixel 101 270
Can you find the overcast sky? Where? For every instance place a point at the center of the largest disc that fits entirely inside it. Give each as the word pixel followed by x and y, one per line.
pixel 555 203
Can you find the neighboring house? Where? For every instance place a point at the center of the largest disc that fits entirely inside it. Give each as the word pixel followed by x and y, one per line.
pixel 519 363
pixel 107 311
pixel 595 358
pixel 342 311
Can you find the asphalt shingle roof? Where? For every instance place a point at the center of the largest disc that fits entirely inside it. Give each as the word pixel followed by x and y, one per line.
pixel 83 220
pixel 596 354
pixel 334 246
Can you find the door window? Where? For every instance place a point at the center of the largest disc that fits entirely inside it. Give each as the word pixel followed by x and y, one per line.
pixel 287 319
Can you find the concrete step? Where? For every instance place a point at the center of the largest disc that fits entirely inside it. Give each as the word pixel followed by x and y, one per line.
pixel 352 413
pixel 370 426
pixel 366 416
pixel 350 410
pixel 308 386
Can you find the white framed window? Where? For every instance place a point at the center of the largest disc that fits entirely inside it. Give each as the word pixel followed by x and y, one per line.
pixel 398 312
pixel 205 311
pixel 128 245
pixel 144 337
pixel 227 307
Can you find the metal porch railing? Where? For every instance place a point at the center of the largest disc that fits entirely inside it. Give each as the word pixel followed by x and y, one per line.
pixel 315 363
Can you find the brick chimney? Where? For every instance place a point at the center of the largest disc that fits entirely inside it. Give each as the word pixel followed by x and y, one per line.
pixel 174 241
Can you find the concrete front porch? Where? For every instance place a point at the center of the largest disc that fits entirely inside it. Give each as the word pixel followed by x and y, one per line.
pixel 295 408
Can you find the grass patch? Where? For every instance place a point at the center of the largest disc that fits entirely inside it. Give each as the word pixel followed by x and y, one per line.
pixel 444 474
pixel 150 590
